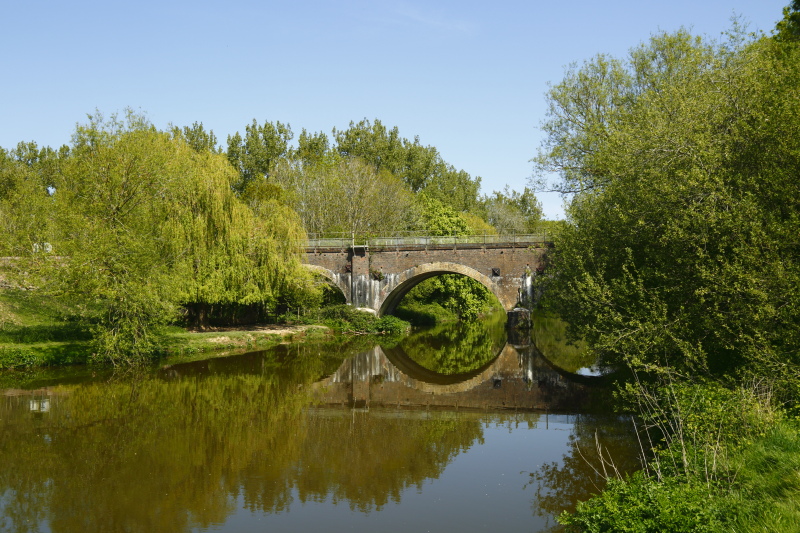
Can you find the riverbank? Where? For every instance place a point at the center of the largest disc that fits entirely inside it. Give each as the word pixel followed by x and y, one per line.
pixel 177 342
pixel 37 331
pixel 721 459
pixel 43 331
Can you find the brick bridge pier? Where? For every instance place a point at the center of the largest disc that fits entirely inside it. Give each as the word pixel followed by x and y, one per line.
pixel 376 273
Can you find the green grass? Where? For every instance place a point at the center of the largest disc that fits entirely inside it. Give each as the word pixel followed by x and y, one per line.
pixel 176 342
pixel 756 488
pixel 43 354
pixel 40 331
pixel 769 477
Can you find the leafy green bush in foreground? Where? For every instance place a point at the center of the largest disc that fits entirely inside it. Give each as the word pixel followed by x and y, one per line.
pixel 723 460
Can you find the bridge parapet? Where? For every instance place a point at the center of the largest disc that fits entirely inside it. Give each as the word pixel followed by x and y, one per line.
pixel 345 241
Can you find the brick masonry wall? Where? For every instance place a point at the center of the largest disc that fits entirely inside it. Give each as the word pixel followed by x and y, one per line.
pixel 369 277
pixel 510 261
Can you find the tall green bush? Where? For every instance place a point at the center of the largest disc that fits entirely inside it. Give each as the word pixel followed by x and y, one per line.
pixel 680 248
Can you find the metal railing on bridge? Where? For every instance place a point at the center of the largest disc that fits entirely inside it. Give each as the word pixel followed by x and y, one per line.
pixel 343 241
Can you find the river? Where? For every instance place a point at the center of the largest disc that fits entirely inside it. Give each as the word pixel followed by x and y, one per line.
pixel 449 429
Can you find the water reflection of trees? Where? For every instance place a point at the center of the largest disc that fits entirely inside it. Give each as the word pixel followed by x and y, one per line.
pixel 185 447
pixel 173 452
pixel 457 348
pixel 141 456
pixel 582 471
pixel 370 458
pixel 549 334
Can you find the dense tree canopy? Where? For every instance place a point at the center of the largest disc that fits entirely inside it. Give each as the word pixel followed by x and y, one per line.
pixel 256 154
pixel 366 178
pixel 682 244
pixel 420 167
pixel 513 212
pixel 789 28
pixel 346 195
pixel 139 224
pixel 197 137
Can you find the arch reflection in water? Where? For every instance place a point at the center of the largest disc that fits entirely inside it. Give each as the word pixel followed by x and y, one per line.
pixel 518 378
pixel 457 348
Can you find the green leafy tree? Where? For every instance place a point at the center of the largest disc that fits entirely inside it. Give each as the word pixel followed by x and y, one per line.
pixel 513 212
pixel 681 245
pixel 21 189
pixel 439 218
pixel 420 167
pixel 373 143
pixel 256 154
pixel 312 148
pixel 460 296
pixel 455 188
pixel 197 137
pixel 788 29
pixel 346 195
pixel 140 224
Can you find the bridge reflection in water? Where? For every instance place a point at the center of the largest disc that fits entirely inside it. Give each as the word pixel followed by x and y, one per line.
pixel 520 377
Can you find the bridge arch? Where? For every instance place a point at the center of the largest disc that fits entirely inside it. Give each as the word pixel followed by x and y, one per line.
pixel 408 279
pixel 337 280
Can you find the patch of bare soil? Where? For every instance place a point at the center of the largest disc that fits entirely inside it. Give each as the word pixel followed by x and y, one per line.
pixel 273 329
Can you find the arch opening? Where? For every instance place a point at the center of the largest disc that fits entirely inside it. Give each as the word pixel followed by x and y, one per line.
pixel 459 287
pixel 334 289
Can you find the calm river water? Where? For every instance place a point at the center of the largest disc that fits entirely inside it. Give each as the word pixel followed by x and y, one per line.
pixel 451 429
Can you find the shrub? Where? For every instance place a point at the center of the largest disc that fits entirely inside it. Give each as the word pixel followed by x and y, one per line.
pixel 346 319
pixel 641 504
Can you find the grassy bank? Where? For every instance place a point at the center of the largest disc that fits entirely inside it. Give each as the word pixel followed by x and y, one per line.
pixel 722 460
pixel 763 496
pixel 347 320
pixel 37 331
pixel 178 342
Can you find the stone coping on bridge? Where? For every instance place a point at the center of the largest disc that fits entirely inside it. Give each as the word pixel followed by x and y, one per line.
pixel 430 241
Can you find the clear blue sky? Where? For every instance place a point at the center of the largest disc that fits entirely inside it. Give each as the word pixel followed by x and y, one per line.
pixel 467 77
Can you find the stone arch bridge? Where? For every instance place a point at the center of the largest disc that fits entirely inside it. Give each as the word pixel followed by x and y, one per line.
pixel 376 273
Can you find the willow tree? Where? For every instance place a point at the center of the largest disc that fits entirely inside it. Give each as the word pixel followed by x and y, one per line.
pixel 140 225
